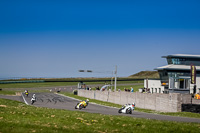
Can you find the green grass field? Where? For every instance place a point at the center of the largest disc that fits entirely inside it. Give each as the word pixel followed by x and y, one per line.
pixel 57 84
pixel 16 117
pixel 35 85
pixel 5 87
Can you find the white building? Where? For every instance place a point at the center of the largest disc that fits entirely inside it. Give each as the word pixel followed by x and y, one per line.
pixel 176 76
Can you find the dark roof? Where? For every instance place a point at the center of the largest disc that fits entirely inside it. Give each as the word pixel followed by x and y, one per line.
pixel 182 56
pixel 177 67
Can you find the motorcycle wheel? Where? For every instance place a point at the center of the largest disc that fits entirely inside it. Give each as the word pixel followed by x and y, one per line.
pixel 80 107
pixel 120 111
pixel 128 111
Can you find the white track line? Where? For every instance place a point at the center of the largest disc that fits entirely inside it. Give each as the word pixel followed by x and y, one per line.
pixel 25 100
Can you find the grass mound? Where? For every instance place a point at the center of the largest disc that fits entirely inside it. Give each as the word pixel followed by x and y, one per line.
pixel 16 117
pixel 146 74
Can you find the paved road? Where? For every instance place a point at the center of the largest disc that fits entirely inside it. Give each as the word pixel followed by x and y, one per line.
pixel 57 101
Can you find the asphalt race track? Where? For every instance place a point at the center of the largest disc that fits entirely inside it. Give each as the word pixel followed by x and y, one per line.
pixel 57 101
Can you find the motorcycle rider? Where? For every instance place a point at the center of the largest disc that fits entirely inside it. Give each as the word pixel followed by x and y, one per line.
pixel 33 99
pixel 127 108
pixel 85 103
pixel 26 92
pixel 82 104
pixel 133 105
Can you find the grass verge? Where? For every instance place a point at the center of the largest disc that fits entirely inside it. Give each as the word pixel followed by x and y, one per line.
pixel 35 85
pixel 7 92
pixel 57 84
pixel 16 117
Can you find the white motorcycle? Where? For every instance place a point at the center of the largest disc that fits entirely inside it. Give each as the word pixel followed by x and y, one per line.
pixel 127 109
pixel 33 99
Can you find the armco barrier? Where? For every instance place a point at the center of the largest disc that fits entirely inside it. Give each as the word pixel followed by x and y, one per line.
pixel 160 102
pixel 23 81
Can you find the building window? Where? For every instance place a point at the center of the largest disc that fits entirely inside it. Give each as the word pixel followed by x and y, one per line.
pixel 169 60
pixel 175 61
pixel 184 83
pixel 179 83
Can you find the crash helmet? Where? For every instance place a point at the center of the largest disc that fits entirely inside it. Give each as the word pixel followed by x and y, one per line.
pixel 87 100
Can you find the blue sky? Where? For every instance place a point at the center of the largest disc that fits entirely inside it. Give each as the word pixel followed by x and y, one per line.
pixel 47 38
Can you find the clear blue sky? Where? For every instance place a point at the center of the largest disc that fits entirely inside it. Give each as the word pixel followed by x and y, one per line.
pixel 56 38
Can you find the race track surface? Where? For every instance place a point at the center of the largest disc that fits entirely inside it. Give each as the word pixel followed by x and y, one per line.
pixel 57 101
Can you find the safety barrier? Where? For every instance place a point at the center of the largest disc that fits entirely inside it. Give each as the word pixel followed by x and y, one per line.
pixel 160 102
pixel 24 81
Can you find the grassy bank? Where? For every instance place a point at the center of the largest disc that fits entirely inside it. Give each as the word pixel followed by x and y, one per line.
pixel 121 85
pixel 7 92
pixel 16 117
pixel 35 85
pixel 53 84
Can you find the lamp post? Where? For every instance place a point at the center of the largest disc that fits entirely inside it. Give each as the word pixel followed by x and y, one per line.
pixel 115 78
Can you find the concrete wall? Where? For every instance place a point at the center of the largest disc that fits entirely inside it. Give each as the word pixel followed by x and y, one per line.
pixel 160 102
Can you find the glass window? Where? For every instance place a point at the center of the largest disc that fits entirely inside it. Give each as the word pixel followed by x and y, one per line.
pixel 171 83
pixel 183 61
pixel 175 61
pixel 169 60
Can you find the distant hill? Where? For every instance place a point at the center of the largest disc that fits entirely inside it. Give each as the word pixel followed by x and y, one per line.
pixel 146 74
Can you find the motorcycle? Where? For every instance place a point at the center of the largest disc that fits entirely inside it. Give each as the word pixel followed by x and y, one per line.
pixel 127 109
pixel 33 99
pixel 81 105
pixel 26 93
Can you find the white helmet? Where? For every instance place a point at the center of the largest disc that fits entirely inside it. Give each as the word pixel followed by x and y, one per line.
pixel 87 100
